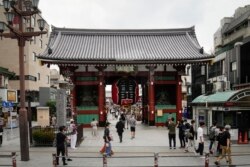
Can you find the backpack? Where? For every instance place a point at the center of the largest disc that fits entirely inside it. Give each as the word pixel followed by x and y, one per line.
pixel 187 125
pixel 221 137
pixel 212 133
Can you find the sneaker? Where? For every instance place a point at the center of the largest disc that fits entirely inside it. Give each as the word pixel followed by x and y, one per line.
pixel 174 147
pixel 216 163
pixel 69 159
pixel 65 164
pixel 170 147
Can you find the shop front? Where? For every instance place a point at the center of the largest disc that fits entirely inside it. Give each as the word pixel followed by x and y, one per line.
pixel 229 107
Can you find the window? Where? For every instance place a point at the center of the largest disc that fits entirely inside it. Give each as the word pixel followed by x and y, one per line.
pixel 38 76
pixel 41 43
pixel 188 70
pixel 1 80
pixel 189 90
pixel 33 21
pixel 34 40
pixel 223 67
pixel 34 56
pixel 203 70
pixel 203 89
pixel 233 66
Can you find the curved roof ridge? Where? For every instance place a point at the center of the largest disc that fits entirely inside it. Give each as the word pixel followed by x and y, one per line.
pixel 56 41
pixel 124 31
pixel 192 41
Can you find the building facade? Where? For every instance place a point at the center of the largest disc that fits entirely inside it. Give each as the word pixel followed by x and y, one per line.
pixel 36 75
pixel 154 59
pixel 225 97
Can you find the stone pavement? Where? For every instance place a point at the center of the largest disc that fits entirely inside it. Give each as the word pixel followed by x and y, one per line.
pixel 131 152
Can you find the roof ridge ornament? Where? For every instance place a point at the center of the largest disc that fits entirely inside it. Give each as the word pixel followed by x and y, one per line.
pixel 50 48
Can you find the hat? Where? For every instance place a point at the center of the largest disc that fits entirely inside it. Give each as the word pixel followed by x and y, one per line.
pixel 71 120
pixel 227 127
pixel 107 124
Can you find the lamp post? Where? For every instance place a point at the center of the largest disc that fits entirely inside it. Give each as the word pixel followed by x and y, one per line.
pixel 18 31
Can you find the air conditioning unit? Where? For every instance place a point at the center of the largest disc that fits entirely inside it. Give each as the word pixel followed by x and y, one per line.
pixel 227 85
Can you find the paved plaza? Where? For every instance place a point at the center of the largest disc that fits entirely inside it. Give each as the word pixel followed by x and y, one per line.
pixel 131 152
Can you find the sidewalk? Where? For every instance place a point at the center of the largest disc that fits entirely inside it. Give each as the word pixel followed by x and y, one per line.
pixel 148 140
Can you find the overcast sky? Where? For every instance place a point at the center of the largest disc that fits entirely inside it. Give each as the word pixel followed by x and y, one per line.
pixel 205 15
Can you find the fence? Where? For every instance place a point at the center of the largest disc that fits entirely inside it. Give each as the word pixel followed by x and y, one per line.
pixel 155 157
pixel 45 136
pixel 8 158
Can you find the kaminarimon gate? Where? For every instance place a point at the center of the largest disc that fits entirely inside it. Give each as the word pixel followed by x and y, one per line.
pixel 155 59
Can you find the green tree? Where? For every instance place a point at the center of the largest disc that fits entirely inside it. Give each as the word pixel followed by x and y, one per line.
pixel 52 107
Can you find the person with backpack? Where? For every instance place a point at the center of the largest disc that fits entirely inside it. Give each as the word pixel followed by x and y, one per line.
pixel 225 143
pixel 190 135
pixel 212 136
pixel 181 127
pixel 187 129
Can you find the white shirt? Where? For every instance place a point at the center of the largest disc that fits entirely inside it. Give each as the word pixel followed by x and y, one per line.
pixel 94 124
pixel 200 136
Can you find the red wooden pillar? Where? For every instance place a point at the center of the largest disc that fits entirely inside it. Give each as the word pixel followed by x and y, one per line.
pixel 101 97
pixel 179 98
pixel 151 97
pixel 73 98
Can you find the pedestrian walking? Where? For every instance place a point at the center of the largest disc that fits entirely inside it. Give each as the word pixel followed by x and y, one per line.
pixel 1 128
pixel 120 128
pixel 53 121
pixel 128 116
pixel 73 136
pixel 60 145
pixel 132 123
pixel 107 140
pixel 186 129
pixel 94 124
pixel 123 118
pixel 66 145
pixel 225 143
pixel 200 138
pixel 190 136
pixel 181 128
pixel 172 133
pixel 212 136
pixel 218 139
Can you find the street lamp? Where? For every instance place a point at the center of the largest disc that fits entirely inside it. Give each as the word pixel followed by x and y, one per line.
pixel 15 11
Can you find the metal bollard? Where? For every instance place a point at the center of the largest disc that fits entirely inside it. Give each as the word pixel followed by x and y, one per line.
pixel 105 162
pixel 156 155
pixel 13 154
pixel 54 164
pixel 207 160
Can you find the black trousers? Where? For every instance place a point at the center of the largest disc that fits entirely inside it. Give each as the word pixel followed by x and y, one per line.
pixel 120 136
pixel 62 151
pixel 182 140
pixel 200 148
pixel 172 138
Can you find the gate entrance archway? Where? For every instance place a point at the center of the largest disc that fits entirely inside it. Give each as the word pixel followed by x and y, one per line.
pixel 155 59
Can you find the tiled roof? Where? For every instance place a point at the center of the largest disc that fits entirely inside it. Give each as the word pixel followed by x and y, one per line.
pixel 123 46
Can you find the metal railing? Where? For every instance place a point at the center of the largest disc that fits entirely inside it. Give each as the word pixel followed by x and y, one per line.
pixel 11 158
pixel 155 160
